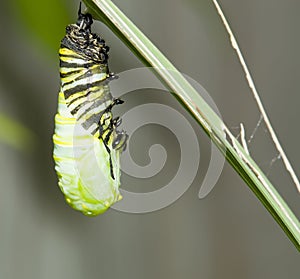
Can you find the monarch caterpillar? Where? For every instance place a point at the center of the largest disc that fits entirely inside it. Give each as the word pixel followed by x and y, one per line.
pixel 87 144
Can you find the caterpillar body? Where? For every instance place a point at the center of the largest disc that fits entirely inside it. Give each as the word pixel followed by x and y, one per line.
pixel 87 144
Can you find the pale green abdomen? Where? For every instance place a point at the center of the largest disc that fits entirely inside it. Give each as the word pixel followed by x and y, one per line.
pixel 82 165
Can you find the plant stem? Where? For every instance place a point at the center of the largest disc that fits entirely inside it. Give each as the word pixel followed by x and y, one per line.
pixel 192 101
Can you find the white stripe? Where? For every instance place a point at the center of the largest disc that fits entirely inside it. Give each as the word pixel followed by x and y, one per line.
pixel 65 70
pixel 91 79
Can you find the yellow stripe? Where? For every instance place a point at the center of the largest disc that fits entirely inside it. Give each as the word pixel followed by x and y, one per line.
pixel 57 140
pixel 79 60
pixel 71 77
pixel 64 120
pixel 67 51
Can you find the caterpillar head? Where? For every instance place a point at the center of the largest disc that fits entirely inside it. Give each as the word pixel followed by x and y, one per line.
pixel 80 38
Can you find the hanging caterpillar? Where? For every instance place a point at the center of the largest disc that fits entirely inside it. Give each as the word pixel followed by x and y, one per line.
pixel 87 144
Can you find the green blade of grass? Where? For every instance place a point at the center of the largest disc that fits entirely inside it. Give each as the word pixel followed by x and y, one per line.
pixel 107 12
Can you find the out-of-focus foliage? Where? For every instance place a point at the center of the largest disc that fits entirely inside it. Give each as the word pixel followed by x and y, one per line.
pixel 46 20
pixel 215 237
pixel 15 134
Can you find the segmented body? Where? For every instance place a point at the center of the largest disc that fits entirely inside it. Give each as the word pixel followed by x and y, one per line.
pixel 87 144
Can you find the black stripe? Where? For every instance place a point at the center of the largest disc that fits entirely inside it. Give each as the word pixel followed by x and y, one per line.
pixel 87 74
pixel 64 64
pixel 74 111
pixel 78 98
pixel 95 104
pixel 82 87
pixel 63 75
pixel 109 135
pixel 82 96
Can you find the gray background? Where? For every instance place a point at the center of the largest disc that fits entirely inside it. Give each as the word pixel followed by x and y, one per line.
pixel 228 234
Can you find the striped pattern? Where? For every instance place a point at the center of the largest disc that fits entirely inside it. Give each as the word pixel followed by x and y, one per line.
pixel 82 165
pixel 87 144
pixel 85 87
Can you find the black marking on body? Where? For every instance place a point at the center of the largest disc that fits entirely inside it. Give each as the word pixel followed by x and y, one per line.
pixel 65 64
pixel 91 48
pixel 82 87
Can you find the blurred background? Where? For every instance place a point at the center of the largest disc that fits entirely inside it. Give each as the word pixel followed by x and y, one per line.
pixel 228 234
